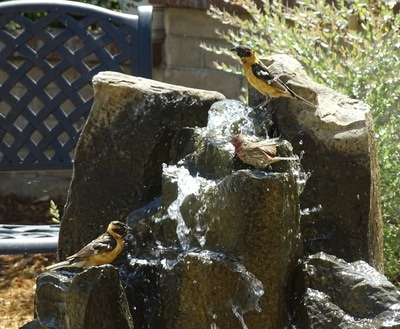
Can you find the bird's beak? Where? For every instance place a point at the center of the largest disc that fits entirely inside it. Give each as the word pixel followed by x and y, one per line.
pixel 234 49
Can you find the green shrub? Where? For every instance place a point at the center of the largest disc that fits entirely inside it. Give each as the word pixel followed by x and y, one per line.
pixel 35 16
pixel 354 48
pixel 110 4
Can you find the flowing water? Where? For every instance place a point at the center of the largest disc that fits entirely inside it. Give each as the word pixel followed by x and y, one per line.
pixel 187 186
pixel 191 191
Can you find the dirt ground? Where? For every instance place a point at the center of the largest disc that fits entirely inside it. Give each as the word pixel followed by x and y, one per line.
pixel 18 272
pixel 17 287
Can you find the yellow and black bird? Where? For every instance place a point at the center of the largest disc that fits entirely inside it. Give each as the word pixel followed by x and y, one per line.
pixel 262 79
pixel 102 250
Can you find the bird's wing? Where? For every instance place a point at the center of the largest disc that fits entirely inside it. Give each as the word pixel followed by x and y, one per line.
pixel 102 244
pixel 261 72
pixel 267 147
pixel 258 149
pixel 65 263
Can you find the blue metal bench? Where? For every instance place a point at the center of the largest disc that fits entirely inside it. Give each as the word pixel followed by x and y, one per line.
pixel 28 239
pixel 46 67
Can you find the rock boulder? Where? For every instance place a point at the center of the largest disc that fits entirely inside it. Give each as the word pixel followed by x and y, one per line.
pixel 134 126
pixel 341 200
pixel 347 295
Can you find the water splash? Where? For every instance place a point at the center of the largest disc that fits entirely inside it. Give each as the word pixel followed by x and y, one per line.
pixel 229 117
pixel 142 262
pixel 168 264
pixel 213 326
pixel 200 231
pixel 187 185
pixel 301 179
pixel 238 313
pixel 309 211
pixel 256 289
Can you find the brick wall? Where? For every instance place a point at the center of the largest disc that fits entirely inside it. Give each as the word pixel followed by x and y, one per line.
pixel 184 62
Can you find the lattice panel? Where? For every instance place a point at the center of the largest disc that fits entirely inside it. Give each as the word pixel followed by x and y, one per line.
pixel 46 68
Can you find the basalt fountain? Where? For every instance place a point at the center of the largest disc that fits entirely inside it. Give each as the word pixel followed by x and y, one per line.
pixel 218 243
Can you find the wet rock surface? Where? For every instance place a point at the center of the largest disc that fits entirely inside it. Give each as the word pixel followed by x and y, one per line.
pixel 133 128
pixel 198 289
pixel 93 298
pixel 249 215
pixel 216 242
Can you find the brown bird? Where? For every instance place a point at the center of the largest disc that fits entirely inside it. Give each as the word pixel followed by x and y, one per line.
pixel 102 250
pixel 257 154
pixel 262 79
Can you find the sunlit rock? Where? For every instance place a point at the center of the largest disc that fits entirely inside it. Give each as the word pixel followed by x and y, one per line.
pixel 212 291
pixel 347 295
pixel 251 215
pixel 340 153
pixel 194 290
pixel 216 243
pixel 134 126
pixel 247 214
pixel 93 298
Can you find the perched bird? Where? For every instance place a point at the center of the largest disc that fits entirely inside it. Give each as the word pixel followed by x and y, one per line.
pixel 257 154
pixel 102 250
pixel 262 79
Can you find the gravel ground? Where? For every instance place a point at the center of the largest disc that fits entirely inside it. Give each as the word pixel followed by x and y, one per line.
pixel 17 287
pixel 18 272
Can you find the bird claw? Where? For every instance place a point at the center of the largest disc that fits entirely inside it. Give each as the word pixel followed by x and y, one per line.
pixel 262 104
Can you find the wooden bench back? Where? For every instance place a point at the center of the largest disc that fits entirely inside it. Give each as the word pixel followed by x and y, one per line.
pixel 49 52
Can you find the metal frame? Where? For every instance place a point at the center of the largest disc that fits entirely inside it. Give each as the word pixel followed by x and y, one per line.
pixel 43 110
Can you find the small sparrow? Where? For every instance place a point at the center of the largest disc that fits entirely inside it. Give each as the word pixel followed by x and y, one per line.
pixel 257 154
pixel 102 250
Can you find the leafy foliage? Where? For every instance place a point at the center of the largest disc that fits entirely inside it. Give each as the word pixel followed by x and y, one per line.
pixel 54 212
pixel 110 4
pixel 35 16
pixel 351 46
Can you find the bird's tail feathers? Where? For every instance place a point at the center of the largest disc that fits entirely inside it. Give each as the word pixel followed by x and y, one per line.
pixel 302 99
pixel 277 158
pixel 66 263
pixel 57 265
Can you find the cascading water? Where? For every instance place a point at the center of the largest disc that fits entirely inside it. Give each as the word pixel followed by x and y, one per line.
pixel 187 186
pixel 227 118
pixel 210 221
